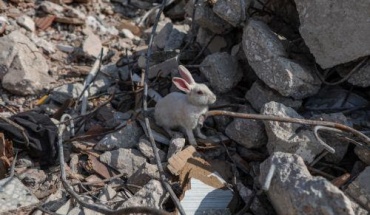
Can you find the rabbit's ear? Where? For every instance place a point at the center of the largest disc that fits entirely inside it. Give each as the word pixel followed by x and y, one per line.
pixel 181 84
pixel 185 74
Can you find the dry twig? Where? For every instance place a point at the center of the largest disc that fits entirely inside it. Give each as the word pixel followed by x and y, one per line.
pixel 295 120
pixel 95 207
pixel 147 123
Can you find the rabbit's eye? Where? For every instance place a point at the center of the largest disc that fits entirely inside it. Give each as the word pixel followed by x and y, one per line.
pixel 199 92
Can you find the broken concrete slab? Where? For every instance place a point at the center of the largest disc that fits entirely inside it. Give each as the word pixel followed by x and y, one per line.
pixel 359 189
pixel 176 37
pixel 176 145
pixel 164 69
pixel 206 18
pixel 266 55
pixel 26 22
pixel 248 133
pixel 152 194
pixel 325 28
pixel 13 195
pixel 48 47
pixel 126 137
pixel 161 37
pixel 67 91
pixel 217 44
pixel 222 71
pixel 233 12
pixel 143 175
pixel 92 45
pixel 127 161
pixel 292 180
pixel 28 69
pixel 146 149
pixel 260 94
pixel 289 137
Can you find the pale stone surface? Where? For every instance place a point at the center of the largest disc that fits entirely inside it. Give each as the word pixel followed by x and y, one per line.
pixel 152 194
pixel 27 67
pixel 336 31
pixel 68 91
pixel 126 161
pixel 92 45
pixel 126 137
pixel 13 195
pixel 260 94
pixel 359 189
pixel 206 18
pixel 292 181
pixel 266 55
pixel 26 22
pixel 222 71
pixel 289 137
pixel 248 133
pixel 146 149
pixel 234 12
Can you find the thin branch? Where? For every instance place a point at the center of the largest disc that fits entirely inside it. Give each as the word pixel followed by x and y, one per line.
pixel 294 120
pixel 345 78
pixel 147 123
pixel 95 207
pixel 93 73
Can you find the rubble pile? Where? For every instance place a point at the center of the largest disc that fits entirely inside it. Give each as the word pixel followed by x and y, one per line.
pixel 291 79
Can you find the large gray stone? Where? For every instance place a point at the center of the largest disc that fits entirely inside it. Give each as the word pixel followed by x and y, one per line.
pixel 335 31
pixel 161 38
pixel 294 191
pixel 67 91
pixel 234 12
pixel 127 161
pixel 142 176
pixel 260 94
pixel 267 56
pixel 152 194
pixel 359 189
pixel 13 195
pixel 289 137
pixel 176 37
pixel 92 45
pixel 27 69
pixel 206 18
pixel 203 38
pixel 222 71
pixel 248 133
pixel 145 147
pixel 126 137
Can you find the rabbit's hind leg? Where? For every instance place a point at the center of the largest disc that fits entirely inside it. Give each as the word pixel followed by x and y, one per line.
pixel 169 131
pixel 199 133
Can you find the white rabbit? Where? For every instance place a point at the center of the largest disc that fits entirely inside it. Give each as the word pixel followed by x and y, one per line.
pixel 184 111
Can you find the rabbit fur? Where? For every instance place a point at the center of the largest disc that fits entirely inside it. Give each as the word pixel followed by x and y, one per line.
pixel 184 111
